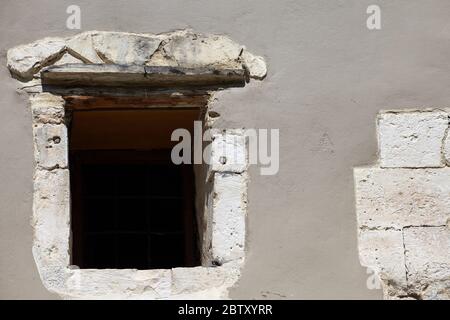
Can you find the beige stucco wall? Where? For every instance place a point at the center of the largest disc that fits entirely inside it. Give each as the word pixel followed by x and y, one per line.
pixel 328 77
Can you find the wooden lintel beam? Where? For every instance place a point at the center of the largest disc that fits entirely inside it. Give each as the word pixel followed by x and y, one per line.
pixel 75 102
pixel 111 75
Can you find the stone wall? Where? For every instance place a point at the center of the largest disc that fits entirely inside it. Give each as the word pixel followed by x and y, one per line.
pixel 403 205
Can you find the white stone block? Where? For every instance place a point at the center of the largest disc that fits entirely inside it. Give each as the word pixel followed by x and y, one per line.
pixel 186 281
pixel 26 60
pixel 81 47
pixel 51 146
pixel 119 284
pixel 192 50
pixel 383 252
pixel 411 139
pixel 229 214
pixel 125 48
pixel 51 223
pixel 255 65
pixel 427 253
pixel 396 198
pixel 228 151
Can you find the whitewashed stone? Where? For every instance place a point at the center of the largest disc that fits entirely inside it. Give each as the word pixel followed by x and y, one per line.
pixel 228 151
pixel 51 146
pixel 383 252
pixel 125 48
pixel 396 198
pixel 256 65
pixel 194 50
pixel 81 47
pixel 229 213
pixel 411 139
pixel 427 254
pixel 26 60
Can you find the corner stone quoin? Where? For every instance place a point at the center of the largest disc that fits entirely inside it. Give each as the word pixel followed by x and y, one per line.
pixel 403 205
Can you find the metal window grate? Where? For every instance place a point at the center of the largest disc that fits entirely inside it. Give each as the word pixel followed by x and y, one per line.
pixel 132 214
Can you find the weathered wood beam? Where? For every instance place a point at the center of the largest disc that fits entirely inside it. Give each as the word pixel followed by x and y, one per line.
pixel 154 101
pixel 111 75
pixel 117 91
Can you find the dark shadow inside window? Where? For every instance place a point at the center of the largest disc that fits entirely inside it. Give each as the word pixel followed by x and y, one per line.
pixel 132 209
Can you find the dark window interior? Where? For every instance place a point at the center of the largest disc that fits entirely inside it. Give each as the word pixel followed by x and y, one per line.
pixel 131 214
pixel 131 209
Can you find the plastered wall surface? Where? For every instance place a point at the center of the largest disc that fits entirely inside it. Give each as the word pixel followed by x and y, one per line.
pixel 328 78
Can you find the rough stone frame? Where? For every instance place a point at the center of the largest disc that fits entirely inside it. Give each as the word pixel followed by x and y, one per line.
pixel 223 207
